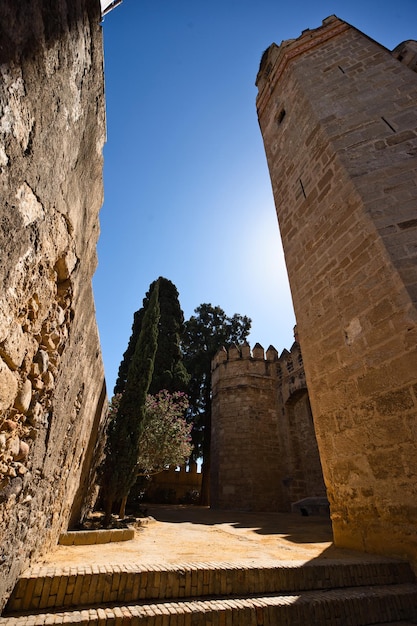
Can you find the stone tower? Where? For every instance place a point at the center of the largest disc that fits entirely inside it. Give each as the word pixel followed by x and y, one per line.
pixel 263 449
pixel 338 116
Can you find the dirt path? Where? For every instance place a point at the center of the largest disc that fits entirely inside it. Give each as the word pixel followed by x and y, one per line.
pixel 176 534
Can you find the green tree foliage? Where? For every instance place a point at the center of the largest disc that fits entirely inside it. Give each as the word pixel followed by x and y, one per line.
pixel 165 438
pixel 204 334
pixel 123 435
pixel 169 371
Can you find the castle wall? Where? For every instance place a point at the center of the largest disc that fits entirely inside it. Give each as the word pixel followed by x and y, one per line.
pixel 52 393
pixel 264 454
pixel 338 117
pixel 303 476
pixel 174 486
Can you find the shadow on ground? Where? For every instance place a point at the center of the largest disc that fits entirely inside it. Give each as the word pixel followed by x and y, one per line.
pixel 304 532
pixel 292 526
pixel 173 534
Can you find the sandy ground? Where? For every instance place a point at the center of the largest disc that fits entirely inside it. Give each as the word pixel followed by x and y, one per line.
pixel 182 534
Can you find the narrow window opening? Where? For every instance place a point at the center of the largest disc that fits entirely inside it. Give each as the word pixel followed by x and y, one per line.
pixel 388 124
pixel 341 69
pixel 302 188
pixel 280 116
pixel 407 224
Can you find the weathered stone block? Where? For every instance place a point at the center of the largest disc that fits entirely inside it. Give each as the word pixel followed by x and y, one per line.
pixel 14 346
pixel 24 397
pixel 8 386
pixel 22 452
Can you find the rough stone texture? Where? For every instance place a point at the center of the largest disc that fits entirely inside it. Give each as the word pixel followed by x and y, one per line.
pixel 338 117
pixel 51 374
pixel 264 450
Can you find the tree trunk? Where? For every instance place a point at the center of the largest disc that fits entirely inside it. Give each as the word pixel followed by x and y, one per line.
pixel 108 505
pixel 123 507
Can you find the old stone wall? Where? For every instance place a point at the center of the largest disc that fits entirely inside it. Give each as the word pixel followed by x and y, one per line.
pixel 175 486
pixel 264 453
pixel 338 117
pixel 52 392
pixel 303 475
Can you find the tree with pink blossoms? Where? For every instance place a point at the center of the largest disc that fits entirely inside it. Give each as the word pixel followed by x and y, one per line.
pixel 165 439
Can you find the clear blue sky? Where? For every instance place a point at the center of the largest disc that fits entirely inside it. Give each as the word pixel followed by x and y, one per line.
pixel 186 184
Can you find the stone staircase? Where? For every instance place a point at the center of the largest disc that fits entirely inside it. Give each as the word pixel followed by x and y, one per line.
pixel 349 592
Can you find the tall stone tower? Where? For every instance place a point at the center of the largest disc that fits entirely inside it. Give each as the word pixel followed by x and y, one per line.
pixel 264 452
pixel 338 116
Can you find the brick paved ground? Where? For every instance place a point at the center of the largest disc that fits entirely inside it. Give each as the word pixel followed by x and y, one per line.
pixel 195 566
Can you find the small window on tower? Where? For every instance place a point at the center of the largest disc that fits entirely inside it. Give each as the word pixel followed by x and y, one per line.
pixel 280 117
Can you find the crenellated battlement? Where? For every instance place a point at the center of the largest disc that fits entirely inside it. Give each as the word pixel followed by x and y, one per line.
pixel 175 485
pixel 244 351
pixel 239 365
pixel 241 361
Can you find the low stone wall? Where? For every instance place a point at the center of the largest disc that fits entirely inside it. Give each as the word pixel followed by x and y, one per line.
pixel 174 487
pixel 93 537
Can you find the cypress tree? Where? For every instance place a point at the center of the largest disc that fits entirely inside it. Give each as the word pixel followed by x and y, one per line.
pixel 169 370
pixel 122 446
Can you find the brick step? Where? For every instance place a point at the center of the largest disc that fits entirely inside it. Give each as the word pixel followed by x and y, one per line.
pixel 44 588
pixel 357 606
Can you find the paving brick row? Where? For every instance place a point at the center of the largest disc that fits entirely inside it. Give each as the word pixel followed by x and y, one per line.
pixel 46 588
pixel 393 605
